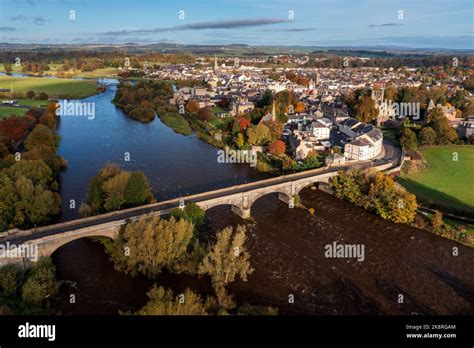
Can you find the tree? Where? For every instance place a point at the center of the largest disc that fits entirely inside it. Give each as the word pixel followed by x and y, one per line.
pixel 153 244
pixel 7 67
pixel 365 110
pixel 275 128
pixel 440 124
pixel 408 139
pixel 243 123
pixel 192 106
pixel 137 190
pixel 114 189
pixel 8 279
pixel 27 195
pixel 42 135
pixel 427 136
pixel 388 201
pixel 277 148
pixel 239 141
pixel 43 96
pixel 205 114
pixel 227 259
pixel 300 107
pixel 258 135
pixel 41 282
pixel 163 302
pixel 437 221
pixel 30 94
pixel 191 212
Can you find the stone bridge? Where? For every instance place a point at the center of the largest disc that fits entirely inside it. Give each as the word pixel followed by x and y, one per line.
pixel 44 241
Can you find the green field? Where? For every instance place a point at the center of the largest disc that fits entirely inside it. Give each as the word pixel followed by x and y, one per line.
pixel 177 122
pixel 7 111
pixel 33 102
pixel 52 86
pixel 106 72
pixel 446 183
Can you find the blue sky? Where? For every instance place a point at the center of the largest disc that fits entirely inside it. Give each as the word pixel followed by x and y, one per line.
pixel 435 23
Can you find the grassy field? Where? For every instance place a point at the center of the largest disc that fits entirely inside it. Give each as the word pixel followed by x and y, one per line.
pixel 106 72
pixel 7 111
pixel 177 122
pixel 33 102
pixel 75 88
pixel 446 183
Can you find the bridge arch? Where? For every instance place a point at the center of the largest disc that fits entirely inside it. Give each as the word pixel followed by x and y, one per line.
pixel 48 245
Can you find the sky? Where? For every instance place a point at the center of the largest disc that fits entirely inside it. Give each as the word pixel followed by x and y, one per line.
pixel 403 23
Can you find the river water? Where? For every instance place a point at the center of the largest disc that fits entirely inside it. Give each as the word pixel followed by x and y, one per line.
pixel 286 245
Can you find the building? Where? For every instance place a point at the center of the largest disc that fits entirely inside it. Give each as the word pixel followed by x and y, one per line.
pixel 449 111
pixel 270 116
pixel 466 129
pixel 335 159
pixel 320 130
pixel 384 111
pixel 367 144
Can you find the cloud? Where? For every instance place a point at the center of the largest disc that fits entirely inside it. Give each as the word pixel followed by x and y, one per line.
pixel 386 25
pixel 37 20
pixel 7 29
pixel 289 30
pixel 222 24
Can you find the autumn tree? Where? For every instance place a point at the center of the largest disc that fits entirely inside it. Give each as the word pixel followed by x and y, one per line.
pixel 427 136
pixel 28 197
pixel 163 302
pixel 151 244
pixel 205 114
pixel 437 220
pixel 409 139
pixel 192 106
pixel 227 258
pixel 365 110
pixel 258 135
pixel 243 122
pixel 300 107
pixel 275 128
pixel 277 148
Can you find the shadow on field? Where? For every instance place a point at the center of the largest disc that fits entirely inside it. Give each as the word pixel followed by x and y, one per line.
pixel 436 199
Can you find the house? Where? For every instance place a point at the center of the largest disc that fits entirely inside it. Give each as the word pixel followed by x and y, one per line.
pixel 449 111
pixel 335 159
pixel 320 130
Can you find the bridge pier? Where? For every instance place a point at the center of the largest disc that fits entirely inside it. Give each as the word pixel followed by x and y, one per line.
pixel 287 200
pixel 244 213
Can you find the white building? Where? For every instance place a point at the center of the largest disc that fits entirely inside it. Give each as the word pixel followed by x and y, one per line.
pixel 365 146
pixel 319 130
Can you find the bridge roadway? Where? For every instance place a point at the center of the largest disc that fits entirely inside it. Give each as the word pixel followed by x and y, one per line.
pixel 162 208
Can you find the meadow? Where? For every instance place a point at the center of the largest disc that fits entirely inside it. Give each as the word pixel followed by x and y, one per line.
pixel 447 182
pixel 52 86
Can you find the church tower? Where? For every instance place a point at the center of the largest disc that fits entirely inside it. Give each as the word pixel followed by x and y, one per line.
pixel 215 63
